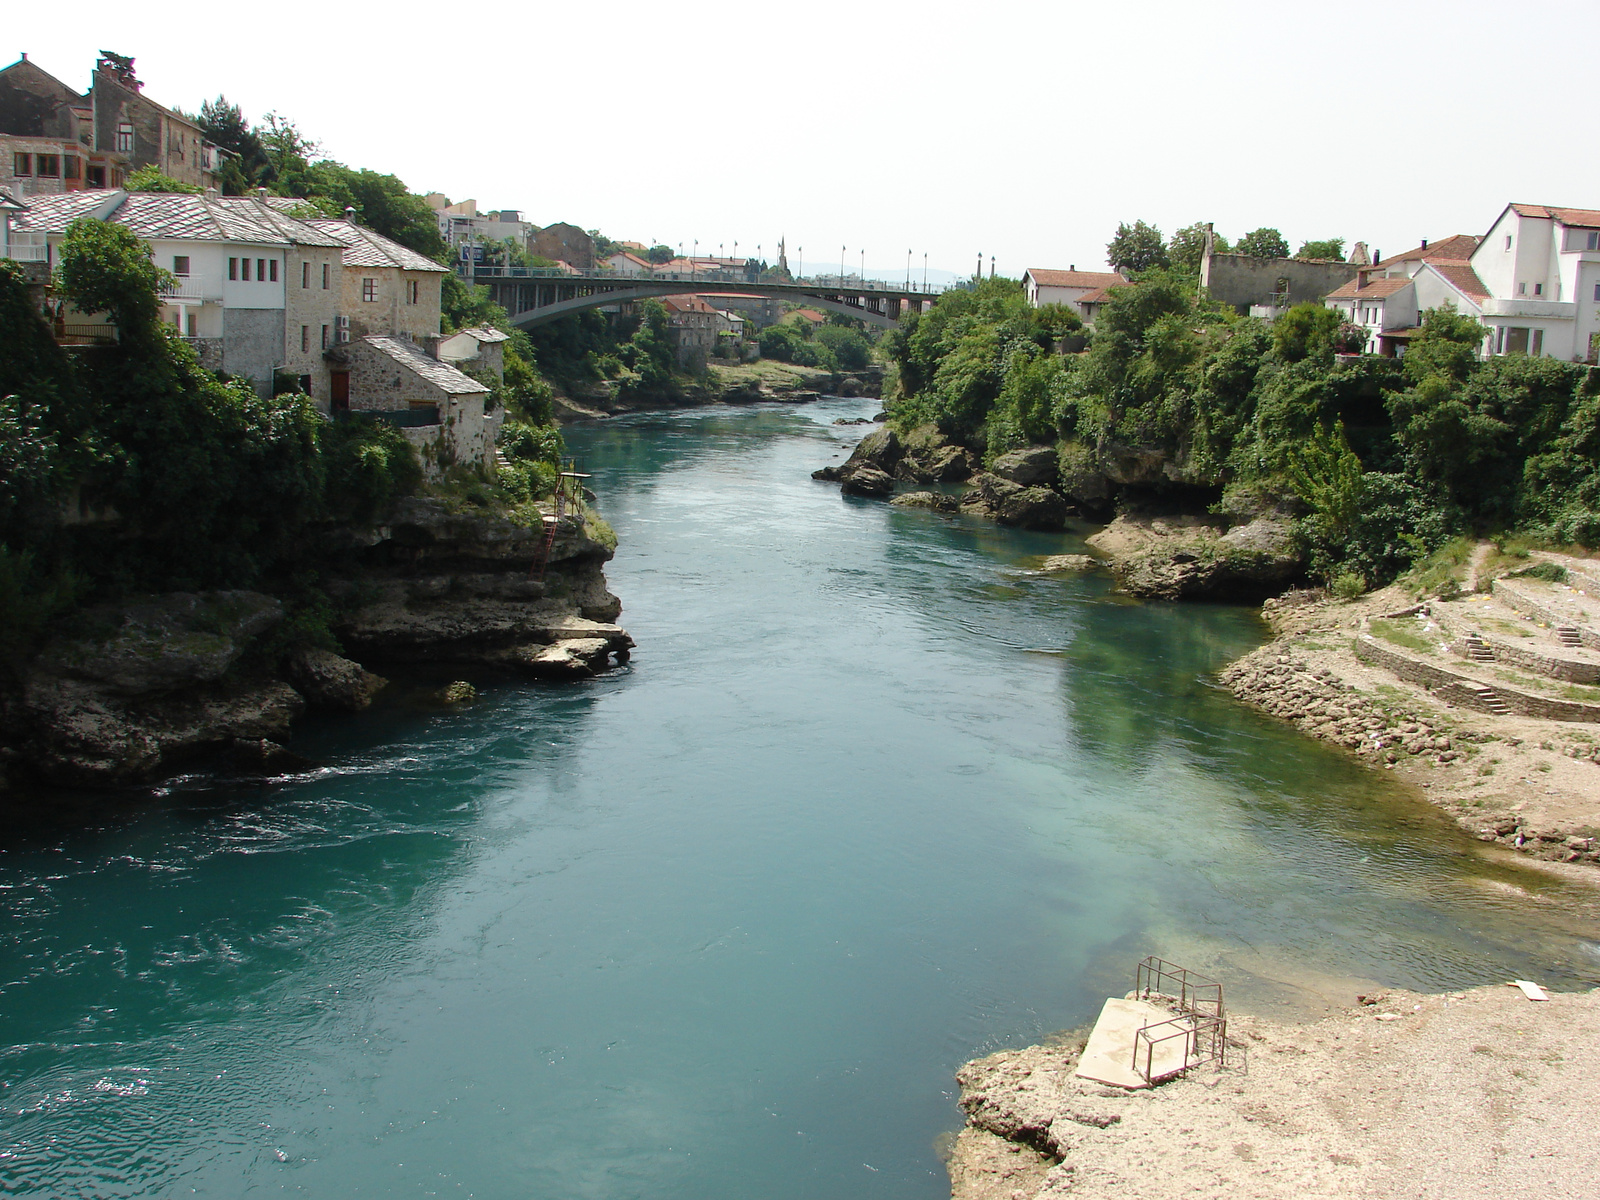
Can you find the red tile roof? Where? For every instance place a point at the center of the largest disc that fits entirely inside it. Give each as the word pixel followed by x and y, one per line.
pixel 1458 246
pixel 1098 296
pixel 809 314
pixel 1463 277
pixel 686 304
pixel 1376 289
pixel 1083 279
pixel 1588 218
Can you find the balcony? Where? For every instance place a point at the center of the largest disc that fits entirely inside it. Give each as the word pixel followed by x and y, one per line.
pixel 1517 306
pixel 188 290
pixel 26 247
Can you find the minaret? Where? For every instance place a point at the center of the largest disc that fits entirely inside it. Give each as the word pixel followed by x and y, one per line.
pixel 783 258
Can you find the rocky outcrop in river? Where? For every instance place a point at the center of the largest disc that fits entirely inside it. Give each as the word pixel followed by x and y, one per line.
pixel 135 689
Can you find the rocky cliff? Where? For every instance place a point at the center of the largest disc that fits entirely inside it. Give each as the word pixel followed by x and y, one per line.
pixel 134 689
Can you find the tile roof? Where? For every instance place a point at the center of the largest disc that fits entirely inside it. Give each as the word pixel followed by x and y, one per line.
pixel 181 217
pixel 1457 246
pixel 1462 277
pixel 1083 279
pixel 485 334
pixel 1587 218
pixel 686 304
pixel 1375 289
pixel 277 216
pixel 1098 296
pixel 366 248
pixel 410 356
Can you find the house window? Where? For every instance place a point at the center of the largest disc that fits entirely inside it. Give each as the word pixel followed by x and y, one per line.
pixel 22 164
pixel 70 165
pixel 95 177
pixel 125 138
pixel 305 338
pixel 1516 340
pixel 1500 340
pixel 411 292
pixel 261 270
pixel 324 337
pixel 233 268
pixel 305 274
pixel 188 324
pixel 48 166
pixel 1597 293
pixel 272 266
pixel 1538 289
pixel 325 267
pixel 1536 346
pixel 1508 241
pixel 1522 289
pixel 180 265
pixel 244 269
pixel 369 290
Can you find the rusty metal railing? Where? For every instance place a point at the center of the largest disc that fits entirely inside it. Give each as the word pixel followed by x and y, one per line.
pixel 1204 1040
pixel 1193 993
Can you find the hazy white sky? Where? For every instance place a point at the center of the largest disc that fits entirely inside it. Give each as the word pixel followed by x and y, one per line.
pixel 1026 131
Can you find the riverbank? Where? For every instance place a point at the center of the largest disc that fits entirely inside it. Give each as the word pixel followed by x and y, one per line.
pixel 134 690
pixel 1526 783
pixel 722 383
pixel 1480 1093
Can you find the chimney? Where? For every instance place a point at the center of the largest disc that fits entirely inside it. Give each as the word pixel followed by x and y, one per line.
pixel 350 214
pixel 1424 243
pixel 430 344
pixel 1377 257
pixel 1073 267
pixel 213 194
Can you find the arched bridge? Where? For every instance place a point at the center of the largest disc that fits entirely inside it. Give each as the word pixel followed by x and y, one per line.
pixel 536 297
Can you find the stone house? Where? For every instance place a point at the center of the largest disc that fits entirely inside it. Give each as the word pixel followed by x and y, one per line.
pixel 54 139
pixel 440 409
pixel 625 262
pixel 566 243
pixel 693 325
pixel 480 350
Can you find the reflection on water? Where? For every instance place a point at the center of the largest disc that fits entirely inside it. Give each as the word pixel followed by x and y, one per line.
pixel 869 800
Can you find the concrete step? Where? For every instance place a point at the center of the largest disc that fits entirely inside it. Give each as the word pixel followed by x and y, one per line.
pixel 1568 635
pixel 1490 700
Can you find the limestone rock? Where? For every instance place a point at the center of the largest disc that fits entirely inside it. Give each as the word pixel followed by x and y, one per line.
pixel 931 500
pixel 1029 466
pixel 867 481
pixel 1068 562
pixel 328 681
pixel 1012 504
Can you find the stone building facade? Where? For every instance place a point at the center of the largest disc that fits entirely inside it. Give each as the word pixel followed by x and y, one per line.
pixel 440 409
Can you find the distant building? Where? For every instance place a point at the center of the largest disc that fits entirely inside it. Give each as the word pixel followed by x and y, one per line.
pixel 479 349
pixel 761 311
pixel 53 139
pixel 565 243
pixel 693 324
pixel 1067 287
pixel 625 262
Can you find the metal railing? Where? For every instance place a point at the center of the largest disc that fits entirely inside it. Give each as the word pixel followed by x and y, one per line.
pixel 187 289
pixel 86 335
pixel 1204 1039
pixel 404 418
pixel 26 246
pixel 471 270
pixel 1193 993
pixel 1200 1022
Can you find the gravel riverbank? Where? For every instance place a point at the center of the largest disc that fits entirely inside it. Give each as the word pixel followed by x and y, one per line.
pixel 1476 1094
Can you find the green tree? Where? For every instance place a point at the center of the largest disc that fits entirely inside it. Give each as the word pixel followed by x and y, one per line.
pixel 1136 247
pixel 659 254
pixel 1263 243
pixel 224 125
pixel 1448 345
pixel 1307 330
pixel 149 178
pixel 849 347
pixel 1332 248
pixel 1186 247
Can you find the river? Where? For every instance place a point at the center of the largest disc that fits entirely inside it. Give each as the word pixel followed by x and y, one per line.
pixel 870 800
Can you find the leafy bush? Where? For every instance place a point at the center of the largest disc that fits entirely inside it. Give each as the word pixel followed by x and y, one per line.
pixel 368 465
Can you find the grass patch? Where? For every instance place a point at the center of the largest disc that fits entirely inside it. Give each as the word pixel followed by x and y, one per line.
pixel 1442 572
pixel 1401 632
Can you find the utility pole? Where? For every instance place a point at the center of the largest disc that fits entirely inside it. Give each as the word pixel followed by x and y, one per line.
pixel 908 270
pixel 841 266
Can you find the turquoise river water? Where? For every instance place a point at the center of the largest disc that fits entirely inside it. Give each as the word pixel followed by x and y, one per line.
pixel 870 800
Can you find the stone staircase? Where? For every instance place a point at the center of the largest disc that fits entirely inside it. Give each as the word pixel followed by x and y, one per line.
pixel 1491 701
pixel 1477 649
pixel 1568 635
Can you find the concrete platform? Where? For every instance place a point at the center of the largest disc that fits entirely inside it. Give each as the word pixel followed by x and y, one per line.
pixel 1108 1058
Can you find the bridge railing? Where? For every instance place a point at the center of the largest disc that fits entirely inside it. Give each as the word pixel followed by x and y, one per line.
pixel 824 283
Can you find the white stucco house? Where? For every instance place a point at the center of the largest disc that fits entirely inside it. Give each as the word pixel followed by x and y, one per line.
pixel 1533 279
pixel 1068 287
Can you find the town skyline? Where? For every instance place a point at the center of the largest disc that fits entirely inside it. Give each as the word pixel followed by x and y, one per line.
pixel 958 146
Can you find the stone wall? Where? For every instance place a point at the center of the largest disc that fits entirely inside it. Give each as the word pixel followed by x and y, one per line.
pixel 1458 689
pixel 252 344
pixel 1241 280
pixel 1525 603
pixel 1571 670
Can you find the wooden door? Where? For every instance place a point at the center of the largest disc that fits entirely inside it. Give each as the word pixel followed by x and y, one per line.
pixel 340 395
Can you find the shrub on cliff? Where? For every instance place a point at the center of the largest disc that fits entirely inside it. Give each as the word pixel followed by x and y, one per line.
pixel 367 465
